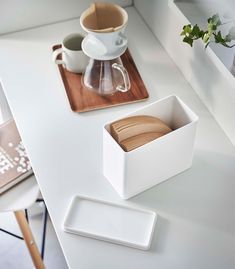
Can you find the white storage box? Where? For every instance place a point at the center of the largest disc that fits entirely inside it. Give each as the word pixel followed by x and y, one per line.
pixel 133 172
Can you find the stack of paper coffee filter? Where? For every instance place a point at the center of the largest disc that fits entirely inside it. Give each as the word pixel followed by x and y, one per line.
pixel 104 18
pixel 133 132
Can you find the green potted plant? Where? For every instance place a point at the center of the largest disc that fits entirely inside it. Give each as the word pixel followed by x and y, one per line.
pixel 212 34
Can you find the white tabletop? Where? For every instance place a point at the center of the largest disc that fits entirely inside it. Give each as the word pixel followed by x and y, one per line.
pixel 196 225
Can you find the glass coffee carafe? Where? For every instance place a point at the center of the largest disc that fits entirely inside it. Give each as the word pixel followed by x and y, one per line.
pixel 106 77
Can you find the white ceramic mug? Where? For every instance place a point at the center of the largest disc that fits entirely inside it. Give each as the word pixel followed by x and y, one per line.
pixel 73 58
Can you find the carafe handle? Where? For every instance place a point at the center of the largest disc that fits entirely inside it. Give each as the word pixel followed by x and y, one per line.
pixel 125 76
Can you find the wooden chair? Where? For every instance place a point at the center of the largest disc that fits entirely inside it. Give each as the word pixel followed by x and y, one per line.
pixel 19 198
pixel 16 200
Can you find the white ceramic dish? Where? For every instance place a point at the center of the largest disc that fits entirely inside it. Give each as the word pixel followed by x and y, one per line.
pixel 110 222
pixel 99 52
pixel 133 172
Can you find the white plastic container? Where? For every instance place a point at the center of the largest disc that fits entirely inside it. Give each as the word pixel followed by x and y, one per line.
pixel 133 172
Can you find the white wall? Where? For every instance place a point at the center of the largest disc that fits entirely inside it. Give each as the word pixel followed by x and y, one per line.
pixel 207 75
pixel 5 112
pixel 22 14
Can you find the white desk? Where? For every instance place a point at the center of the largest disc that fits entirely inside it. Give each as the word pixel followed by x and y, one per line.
pixel 196 227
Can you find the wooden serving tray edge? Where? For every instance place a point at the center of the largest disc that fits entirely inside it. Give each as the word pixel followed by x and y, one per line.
pixel 129 64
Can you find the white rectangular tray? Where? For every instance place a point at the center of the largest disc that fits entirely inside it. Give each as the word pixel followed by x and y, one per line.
pixel 110 222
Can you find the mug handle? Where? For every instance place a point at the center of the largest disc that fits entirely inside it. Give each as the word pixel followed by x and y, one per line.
pixel 55 55
pixel 125 76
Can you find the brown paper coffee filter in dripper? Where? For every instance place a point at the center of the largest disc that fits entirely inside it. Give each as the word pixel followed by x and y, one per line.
pixel 104 18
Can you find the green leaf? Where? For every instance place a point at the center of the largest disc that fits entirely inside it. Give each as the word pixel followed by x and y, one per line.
pixel 206 37
pixel 188 40
pixel 188 29
pixel 219 38
pixel 228 38
pixel 201 34
pixel 214 27
pixel 195 30
pixel 211 28
pixel 215 19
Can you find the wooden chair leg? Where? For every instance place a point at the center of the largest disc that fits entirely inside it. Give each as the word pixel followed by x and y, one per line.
pixel 29 240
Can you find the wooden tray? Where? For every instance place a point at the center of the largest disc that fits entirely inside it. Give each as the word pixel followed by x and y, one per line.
pixel 82 100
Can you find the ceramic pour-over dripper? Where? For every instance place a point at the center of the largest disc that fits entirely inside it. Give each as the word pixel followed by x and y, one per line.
pixel 105 24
